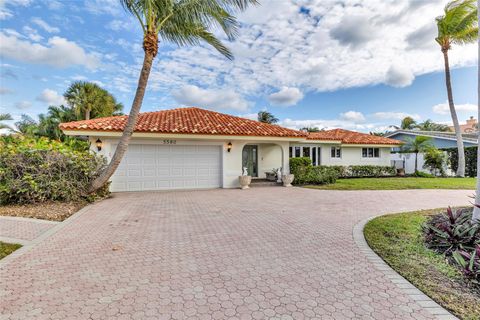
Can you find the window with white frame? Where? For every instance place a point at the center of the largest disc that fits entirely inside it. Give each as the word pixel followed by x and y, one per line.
pixel 336 152
pixel 370 152
pixel 311 152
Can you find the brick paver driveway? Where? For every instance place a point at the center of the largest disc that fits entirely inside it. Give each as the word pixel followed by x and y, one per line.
pixel 254 254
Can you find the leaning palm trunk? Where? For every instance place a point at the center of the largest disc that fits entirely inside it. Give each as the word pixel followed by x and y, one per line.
pixel 456 125
pixel 131 122
pixel 476 210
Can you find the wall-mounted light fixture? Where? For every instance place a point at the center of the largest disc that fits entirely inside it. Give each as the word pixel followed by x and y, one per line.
pixel 99 144
pixel 229 146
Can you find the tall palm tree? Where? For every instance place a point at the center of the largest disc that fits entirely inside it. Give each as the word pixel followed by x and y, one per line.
pixel 89 100
pixel 27 125
pixel 476 210
pixel 48 123
pixel 266 117
pixel 458 25
pixel 408 123
pixel 185 22
pixel 5 117
pixel 417 145
pixel 429 125
pixel 310 129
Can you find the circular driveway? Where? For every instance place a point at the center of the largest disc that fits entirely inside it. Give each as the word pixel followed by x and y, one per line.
pixel 262 253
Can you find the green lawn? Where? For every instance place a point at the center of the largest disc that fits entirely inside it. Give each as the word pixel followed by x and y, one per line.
pixel 399 183
pixel 7 248
pixel 398 240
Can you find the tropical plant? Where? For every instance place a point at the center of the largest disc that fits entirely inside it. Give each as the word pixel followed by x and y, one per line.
pixel 429 125
pixel 48 123
pixel 5 117
pixel 27 125
pixel 89 100
pixel 446 233
pixel 408 123
pixel 417 145
pixel 187 22
pixel 435 161
pixel 266 117
pixel 309 129
pixel 469 262
pixel 458 25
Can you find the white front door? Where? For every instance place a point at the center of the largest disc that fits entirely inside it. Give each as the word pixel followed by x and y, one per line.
pixel 164 167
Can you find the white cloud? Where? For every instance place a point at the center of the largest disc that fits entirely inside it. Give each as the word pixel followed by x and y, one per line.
pixel 391 115
pixel 51 97
pixel 59 52
pixel 443 108
pixel 45 26
pixel 211 99
pixel 6 13
pixel 22 105
pixel 251 116
pixel 354 31
pixel 399 76
pixel 327 124
pixel 353 116
pixel 111 7
pixel 32 34
pixel 286 97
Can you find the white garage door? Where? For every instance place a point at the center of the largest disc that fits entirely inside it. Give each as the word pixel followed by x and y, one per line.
pixel 165 167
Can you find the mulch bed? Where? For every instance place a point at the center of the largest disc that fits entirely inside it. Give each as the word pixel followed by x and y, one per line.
pixel 53 211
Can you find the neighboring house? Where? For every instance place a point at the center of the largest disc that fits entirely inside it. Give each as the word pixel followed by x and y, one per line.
pixel 441 140
pixel 189 148
pixel 471 126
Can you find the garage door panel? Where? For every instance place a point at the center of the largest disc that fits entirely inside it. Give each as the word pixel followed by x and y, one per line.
pixel 163 167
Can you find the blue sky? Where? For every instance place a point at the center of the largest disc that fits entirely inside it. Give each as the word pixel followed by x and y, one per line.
pixel 359 65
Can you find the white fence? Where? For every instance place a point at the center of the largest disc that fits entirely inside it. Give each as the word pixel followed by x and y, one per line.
pixel 407 162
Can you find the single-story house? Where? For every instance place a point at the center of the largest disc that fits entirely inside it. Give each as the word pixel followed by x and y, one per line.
pixel 190 148
pixel 441 140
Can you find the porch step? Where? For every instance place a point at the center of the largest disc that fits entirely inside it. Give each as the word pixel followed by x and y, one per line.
pixel 263 183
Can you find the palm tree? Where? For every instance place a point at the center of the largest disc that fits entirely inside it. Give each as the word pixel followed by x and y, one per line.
pixel 458 25
pixel 186 22
pixel 5 117
pixel 476 210
pixel 417 145
pixel 48 123
pixel 310 129
pixel 429 125
pixel 408 123
pixel 266 117
pixel 89 100
pixel 27 126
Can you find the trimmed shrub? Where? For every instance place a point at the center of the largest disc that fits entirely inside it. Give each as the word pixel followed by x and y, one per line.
pixel 434 161
pixel 364 171
pixel 38 169
pixel 470 160
pixel 297 163
pixel 306 173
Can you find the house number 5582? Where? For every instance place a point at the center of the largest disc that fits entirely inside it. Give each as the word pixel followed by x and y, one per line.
pixel 169 141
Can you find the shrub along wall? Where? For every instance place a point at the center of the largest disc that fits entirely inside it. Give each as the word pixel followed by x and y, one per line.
pixel 39 169
pixel 470 160
pixel 306 173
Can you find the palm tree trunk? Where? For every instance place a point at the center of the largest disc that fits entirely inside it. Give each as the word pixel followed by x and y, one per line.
pixel 416 157
pixel 456 125
pixel 128 130
pixel 87 114
pixel 476 211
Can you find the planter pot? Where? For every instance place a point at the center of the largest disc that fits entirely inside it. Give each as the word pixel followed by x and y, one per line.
pixel 244 181
pixel 287 180
pixel 401 172
pixel 270 176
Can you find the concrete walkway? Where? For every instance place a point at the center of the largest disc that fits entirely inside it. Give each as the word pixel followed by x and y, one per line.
pixel 22 230
pixel 254 254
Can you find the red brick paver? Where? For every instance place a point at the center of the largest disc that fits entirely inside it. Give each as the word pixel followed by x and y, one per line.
pixel 23 228
pixel 254 254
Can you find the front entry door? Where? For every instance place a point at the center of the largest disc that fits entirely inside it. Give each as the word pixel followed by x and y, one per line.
pixel 250 160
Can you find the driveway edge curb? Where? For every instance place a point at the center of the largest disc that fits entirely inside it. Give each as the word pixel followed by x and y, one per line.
pixel 58 226
pixel 403 284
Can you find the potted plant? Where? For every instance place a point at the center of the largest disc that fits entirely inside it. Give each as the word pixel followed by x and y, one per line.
pixel 244 179
pixel 287 180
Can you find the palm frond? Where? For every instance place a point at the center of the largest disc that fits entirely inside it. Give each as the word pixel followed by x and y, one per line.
pixel 456 24
pixel 5 116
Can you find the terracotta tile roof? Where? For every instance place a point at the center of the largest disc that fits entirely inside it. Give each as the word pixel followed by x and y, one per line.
pixel 351 137
pixel 186 121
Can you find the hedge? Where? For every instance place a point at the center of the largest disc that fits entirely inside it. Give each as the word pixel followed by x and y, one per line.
pixel 470 160
pixel 306 173
pixel 38 169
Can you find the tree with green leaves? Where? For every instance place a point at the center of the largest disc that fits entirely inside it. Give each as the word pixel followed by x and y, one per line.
pixel 5 117
pixel 27 126
pixel 408 123
pixel 48 123
pixel 457 26
pixel 266 117
pixel 310 129
pixel 185 22
pixel 417 145
pixel 89 100
pixel 429 125
pixel 434 160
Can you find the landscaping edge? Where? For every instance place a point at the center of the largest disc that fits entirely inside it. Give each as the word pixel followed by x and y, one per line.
pixel 30 244
pixel 403 284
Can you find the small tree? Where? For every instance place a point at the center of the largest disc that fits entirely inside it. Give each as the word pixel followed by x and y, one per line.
pixel 4 117
pixel 266 117
pixel 434 160
pixel 408 123
pixel 417 145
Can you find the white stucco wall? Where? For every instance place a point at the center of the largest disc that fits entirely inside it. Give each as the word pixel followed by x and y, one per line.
pixel 270 154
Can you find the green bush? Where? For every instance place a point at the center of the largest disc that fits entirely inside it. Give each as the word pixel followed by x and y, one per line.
pixel 364 171
pixel 39 169
pixel 470 160
pixel 434 160
pixel 306 173
pixel 297 163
